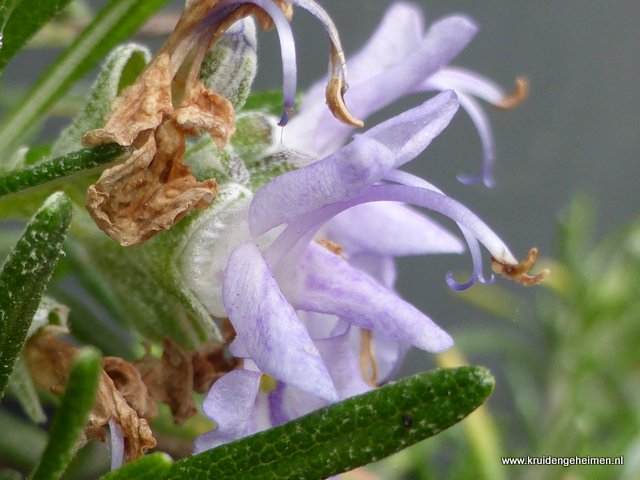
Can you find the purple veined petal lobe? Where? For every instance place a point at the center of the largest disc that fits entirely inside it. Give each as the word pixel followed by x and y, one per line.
pixel 326 283
pixel 388 352
pixel 343 364
pixel 116 439
pixel 272 334
pixel 409 133
pixel 444 40
pixel 321 325
pixel 287 48
pixel 399 33
pixel 469 82
pixel 337 177
pixel 383 269
pixel 390 229
pixel 289 402
pixel 229 404
pixel 237 349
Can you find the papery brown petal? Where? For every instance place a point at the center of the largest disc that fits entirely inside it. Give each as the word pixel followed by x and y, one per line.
pixel 150 192
pixel 128 381
pixel 170 380
pixel 140 107
pixel 111 403
pixel 49 360
pixel 205 111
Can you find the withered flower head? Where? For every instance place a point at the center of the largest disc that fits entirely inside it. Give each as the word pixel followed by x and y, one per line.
pixel 153 189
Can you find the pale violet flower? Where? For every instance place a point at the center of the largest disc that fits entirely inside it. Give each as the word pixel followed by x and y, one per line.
pixel 401 59
pixel 304 267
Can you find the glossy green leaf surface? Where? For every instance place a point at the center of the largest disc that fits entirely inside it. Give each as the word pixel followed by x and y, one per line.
pixel 25 274
pixel 21 20
pixel 149 467
pixel 72 415
pixel 349 434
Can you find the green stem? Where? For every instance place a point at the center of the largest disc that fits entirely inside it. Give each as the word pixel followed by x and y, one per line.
pixel 59 167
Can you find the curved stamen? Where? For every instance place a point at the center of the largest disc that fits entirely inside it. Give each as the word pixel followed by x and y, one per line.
pixel 405 178
pixel 483 127
pixel 337 85
pixel 287 47
pixel 302 228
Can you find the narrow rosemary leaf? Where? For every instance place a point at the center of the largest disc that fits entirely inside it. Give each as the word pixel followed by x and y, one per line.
pixel 116 22
pixel 25 274
pixel 352 433
pixel 23 20
pixel 72 415
pixel 49 170
pixel 149 467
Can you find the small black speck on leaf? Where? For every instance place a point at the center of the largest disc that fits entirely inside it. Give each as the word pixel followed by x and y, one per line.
pixel 407 420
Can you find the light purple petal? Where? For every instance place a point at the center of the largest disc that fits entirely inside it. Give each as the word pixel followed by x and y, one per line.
pixel 483 127
pixel 337 177
pixel 288 402
pixel 398 34
pixel 321 325
pixel 444 40
pixel 268 327
pixel 389 353
pixel 383 269
pixel 229 404
pixel 469 82
pixel 390 229
pixel 408 134
pixel 328 284
pixel 344 365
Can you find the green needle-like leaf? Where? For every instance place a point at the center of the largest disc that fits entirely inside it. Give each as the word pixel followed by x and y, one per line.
pixel 352 433
pixel 118 20
pixel 72 415
pixel 49 170
pixel 25 274
pixel 21 20
pixel 149 467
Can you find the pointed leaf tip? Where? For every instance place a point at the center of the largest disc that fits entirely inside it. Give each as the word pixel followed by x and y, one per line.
pixel 24 276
